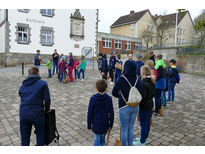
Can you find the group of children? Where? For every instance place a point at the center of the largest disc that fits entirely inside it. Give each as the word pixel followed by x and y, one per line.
pixel 66 65
pixel 155 77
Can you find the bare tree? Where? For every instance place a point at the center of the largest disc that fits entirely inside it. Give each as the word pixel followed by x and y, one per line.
pixel 200 28
pixel 147 36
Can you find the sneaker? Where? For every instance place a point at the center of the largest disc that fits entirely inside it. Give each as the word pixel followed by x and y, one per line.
pixel 138 143
pixel 138 139
pixel 164 106
pixel 156 114
pixel 82 80
pixel 168 101
pixel 77 79
pixel 111 82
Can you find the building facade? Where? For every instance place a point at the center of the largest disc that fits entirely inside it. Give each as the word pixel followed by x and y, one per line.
pixel 26 31
pixel 166 25
pixel 134 24
pixel 108 43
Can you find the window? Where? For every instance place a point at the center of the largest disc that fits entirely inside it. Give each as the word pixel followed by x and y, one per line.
pixel 47 36
pixel 107 43
pixel 138 45
pixel 184 32
pixel 168 31
pixel 179 40
pixel 128 45
pixel 179 31
pixel 148 27
pixel 132 26
pixel 47 12
pixel 153 28
pixel 118 44
pixel 22 33
pixel 23 10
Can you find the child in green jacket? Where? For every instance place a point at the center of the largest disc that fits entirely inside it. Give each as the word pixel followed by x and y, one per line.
pixel 82 67
pixel 49 65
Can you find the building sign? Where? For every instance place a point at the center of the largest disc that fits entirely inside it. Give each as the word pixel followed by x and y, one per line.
pixel 77 26
pixel 35 21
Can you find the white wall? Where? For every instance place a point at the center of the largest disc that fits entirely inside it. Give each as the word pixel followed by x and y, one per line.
pixel 61 25
pixel 2 45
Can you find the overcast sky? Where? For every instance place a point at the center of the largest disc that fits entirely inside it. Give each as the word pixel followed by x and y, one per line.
pixel 108 16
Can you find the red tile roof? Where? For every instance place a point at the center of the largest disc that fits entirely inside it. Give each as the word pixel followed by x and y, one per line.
pixel 130 18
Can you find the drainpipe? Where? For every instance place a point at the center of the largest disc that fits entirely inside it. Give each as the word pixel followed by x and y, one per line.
pixel 175 41
pixel 96 52
pixel 5 36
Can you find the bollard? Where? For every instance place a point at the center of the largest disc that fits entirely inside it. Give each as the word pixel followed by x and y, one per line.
pixel 22 68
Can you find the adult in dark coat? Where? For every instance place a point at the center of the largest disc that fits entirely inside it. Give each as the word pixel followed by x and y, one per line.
pixel 35 101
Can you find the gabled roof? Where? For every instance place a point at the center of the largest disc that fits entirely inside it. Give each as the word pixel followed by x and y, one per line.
pixel 170 19
pixel 130 18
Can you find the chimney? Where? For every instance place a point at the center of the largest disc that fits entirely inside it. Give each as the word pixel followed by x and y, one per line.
pixel 132 12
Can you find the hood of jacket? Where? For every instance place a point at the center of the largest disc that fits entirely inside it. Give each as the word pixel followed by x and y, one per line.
pixel 130 68
pixel 30 80
pixel 160 63
pixel 100 99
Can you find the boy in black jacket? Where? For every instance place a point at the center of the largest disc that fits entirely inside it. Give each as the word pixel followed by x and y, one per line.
pixel 100 116
pixel 146 105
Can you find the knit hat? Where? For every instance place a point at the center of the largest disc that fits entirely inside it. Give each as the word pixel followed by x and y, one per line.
pixel 63 57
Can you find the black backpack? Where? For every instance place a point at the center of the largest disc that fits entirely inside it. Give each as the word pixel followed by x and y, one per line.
pixel 51 132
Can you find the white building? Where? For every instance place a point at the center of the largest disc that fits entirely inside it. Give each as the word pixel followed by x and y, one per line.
pixel 45 29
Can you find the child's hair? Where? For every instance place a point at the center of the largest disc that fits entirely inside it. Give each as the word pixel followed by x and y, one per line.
pixel 101 85
pixel 159 56
pixel 146 70
pixel 150 52
pixel 150 63
pixel 33 71
pixel 75 57
pixel 62 55
pixel 118 56
pixel 38 51
pixel 83 59
pixel 173 61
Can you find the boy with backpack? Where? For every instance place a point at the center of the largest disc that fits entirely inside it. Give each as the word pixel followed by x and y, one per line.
pixel 146 105
pixel 160 83
pixel 100 115
pixel 172 79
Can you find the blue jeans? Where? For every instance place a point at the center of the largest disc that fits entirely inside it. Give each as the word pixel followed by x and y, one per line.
pixel 128 117
pixel 81 70
pixel 26 127
pixel 163 98
pixel 171 92
pixel 55 66
pixel 117 75
pixel 158 93
pixel 145 124
pixel 49 73
pixel 61 76
pixel 38 66
pixel 76 73
pixel 99 139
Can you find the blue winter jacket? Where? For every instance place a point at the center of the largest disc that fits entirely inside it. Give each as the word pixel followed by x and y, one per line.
pixel 35 97
pixel 37 60
pixel 123 86
pixel 100 115
pixel 104 65
pixel 173 70
pixel 112 62
pixel 139 64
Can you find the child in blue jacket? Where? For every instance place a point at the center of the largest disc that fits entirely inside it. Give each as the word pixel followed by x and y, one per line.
pixel 172 80
pixel 100 115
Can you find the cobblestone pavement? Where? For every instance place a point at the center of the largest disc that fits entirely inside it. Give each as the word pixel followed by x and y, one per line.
pixel 182 123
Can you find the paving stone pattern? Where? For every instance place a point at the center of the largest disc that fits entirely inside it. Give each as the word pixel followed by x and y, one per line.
pixel 182 123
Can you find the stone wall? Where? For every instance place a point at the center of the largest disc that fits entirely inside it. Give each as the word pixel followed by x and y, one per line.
pixel 14 59
pixel 192 62
pixel 187 62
